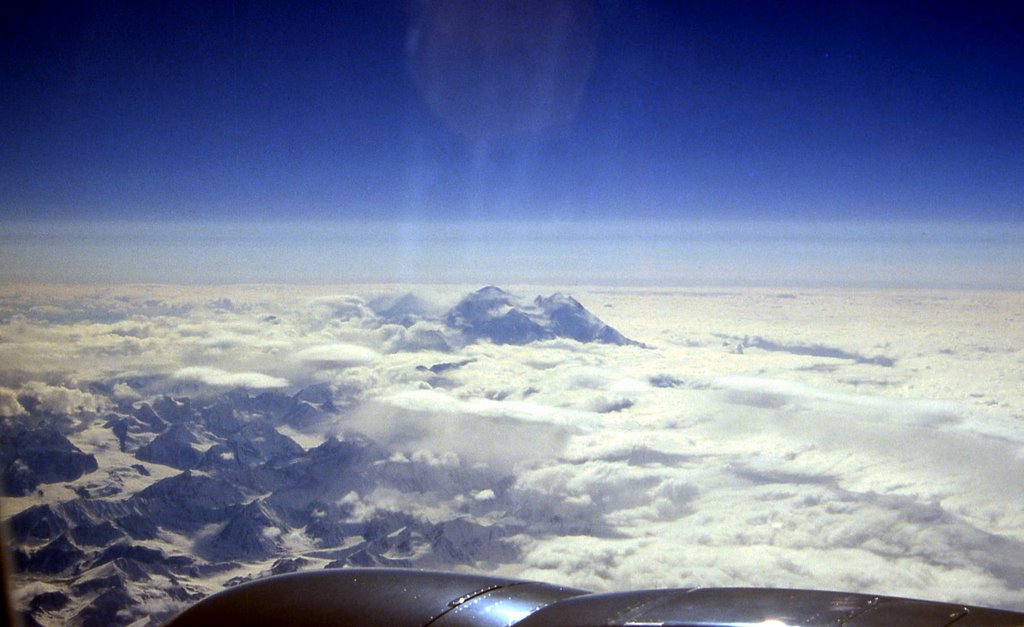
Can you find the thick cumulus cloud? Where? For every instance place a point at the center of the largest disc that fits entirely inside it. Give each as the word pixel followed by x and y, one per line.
pixel 58 399
pixel 709 459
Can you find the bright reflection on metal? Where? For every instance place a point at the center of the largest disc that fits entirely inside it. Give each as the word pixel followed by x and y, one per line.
pixel 771 622
pixel 510 611
pixel 490 610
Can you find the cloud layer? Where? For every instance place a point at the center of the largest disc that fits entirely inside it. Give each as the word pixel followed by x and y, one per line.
pixel 865 441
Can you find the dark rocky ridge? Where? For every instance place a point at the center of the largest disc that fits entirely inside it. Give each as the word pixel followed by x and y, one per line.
pixel 172 448
pixel 33 454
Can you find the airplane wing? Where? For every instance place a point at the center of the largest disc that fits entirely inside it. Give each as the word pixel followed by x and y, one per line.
pixel 375 597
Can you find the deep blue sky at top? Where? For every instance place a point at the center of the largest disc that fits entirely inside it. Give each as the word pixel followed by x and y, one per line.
pixel 767 110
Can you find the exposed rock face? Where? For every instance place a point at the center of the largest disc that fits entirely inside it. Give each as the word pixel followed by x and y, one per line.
pixel 222 419
pixel 173 410
pixel 491 313
pixel 127 429
pixel 111 607
pixel 172 448
pixel 319 394
pixel 55 557
pixel 249 534
pixel 327 472
pixel 148 416
pixel 267 443
pixel 34 454
pixel 303 415
pixel 137 526
pixel 49 601
pixel 187 501
pixel 138 554
pixel 36 523
pixel 98 534
pixel 288 565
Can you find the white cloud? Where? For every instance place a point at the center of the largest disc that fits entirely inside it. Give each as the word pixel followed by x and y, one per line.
pixel 444 459
pixel 421 336
pixel 123 391
pixel 763 468
pixel 503 434
pixel 484 495
pixel 344 308
pixel 9 405
pixel 223 378
pixel 63 400
pixel 336 356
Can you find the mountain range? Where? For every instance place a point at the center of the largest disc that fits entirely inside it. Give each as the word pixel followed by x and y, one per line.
pixel 197 492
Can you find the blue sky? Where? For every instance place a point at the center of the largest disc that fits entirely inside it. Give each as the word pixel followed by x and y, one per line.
pixel 624 113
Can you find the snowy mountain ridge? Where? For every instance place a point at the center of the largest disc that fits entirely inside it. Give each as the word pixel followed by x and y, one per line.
pixel 493 314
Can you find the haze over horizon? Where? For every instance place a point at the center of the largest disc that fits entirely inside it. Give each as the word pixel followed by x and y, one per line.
pixel 784 143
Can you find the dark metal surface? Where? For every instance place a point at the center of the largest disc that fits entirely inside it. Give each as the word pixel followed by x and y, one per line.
pixel 399 598
pixel 982 617
pixel 369 597
pixel 887 612
pixel 750 607
pixel 373 597
pixel 722 606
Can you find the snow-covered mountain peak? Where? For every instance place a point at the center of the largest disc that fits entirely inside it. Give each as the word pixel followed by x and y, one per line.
pixel 496 315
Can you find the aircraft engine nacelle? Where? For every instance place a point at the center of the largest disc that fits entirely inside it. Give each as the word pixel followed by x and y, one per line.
pixel 397 598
